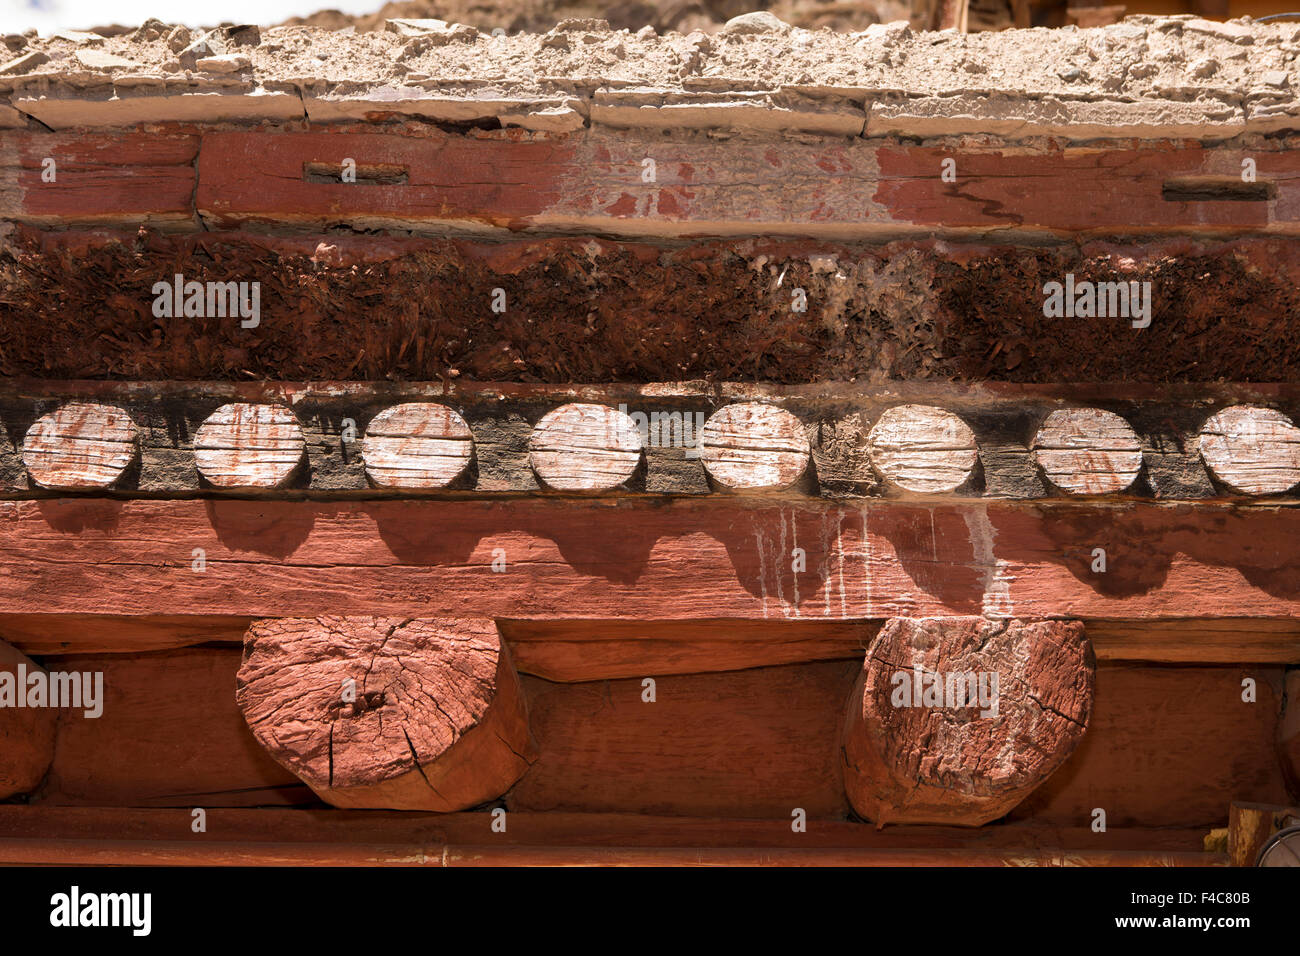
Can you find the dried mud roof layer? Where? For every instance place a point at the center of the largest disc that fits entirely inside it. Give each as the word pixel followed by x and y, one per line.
pixel 1147 76
pixel 796 227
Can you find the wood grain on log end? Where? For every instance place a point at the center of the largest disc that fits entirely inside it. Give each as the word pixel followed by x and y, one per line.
pixel 26 733
pixel 436 719
pixel 915 752
pixel 1253 450
pixel 751 446
pixel 1088 451
pixel 922 448
pixel 80 446
pixel 417 445
pixel 583 447
pixel 249 446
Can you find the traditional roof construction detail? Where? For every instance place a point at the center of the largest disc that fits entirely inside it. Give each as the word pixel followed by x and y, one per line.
pixel 425 446
pixel 1148 77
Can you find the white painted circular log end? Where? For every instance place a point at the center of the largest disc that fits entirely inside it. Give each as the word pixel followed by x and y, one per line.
pixel 249 446
pixel 1252 449
pixel 418 445
pixel 922 448
pixel 582 447
pixel 751 446
pixel 80 447
pixel 1088 451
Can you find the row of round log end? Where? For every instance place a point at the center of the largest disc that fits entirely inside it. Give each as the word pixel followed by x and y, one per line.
pixel 747 446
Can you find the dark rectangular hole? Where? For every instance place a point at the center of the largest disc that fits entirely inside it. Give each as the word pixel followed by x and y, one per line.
pixel 1216 189
pixel 367 174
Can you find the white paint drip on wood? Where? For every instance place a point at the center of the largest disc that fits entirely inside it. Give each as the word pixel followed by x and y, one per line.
pixel 922 448
pixel 249 446
pixel 752 446
pixel 80 446
pixel 1088 451
pixel 417 445
pixel 582 447
pixel 1252 449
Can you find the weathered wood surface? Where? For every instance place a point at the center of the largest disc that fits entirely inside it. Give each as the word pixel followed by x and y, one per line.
pixel 568 651
pixel 44 634
pixel 578 650
pixel 638 560
pixel 170 735
pixel 751 446
pixel 752 743
pixel 593 182
pixel 1168 746
pixel 1088 451
pixel 249 446
pixel 190 853
pixel 80 447
pixel 406 714
pixel 922 448
pixel 1251 824
pixel 836 416
pixel 1253 450
pixel 346 828
pixel 26 733
pixel 99 178
pixel 417 446
pixel 956 720
pixel 585 447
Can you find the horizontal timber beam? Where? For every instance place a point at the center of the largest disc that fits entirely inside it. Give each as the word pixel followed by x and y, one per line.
pixel 604 559
pixel 583 649
pixel 634 559
pixel 269 835
pixel 599 181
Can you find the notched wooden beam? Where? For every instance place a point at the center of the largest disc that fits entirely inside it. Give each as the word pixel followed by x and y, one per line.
pixel 396 713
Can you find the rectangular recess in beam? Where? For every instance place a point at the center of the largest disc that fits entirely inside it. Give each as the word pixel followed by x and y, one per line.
pixel 637 183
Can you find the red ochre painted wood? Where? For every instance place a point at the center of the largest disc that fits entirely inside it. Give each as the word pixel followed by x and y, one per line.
pixel 400 713
pixel 1167 746
pixel 105 177
pixel 956 720
pixel 477 182
pixel 518 181
pixel 633 560
pixel 26 733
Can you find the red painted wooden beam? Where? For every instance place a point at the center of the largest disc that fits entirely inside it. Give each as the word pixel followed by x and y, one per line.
pixel 633 559
pixel 106 177
pixel 644 184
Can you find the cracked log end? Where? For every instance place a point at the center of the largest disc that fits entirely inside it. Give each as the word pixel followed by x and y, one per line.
pixel 915 752
pixel 583 447
pixel 80 447
pixel 391 713
pixel 26 733
pixel 751 446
